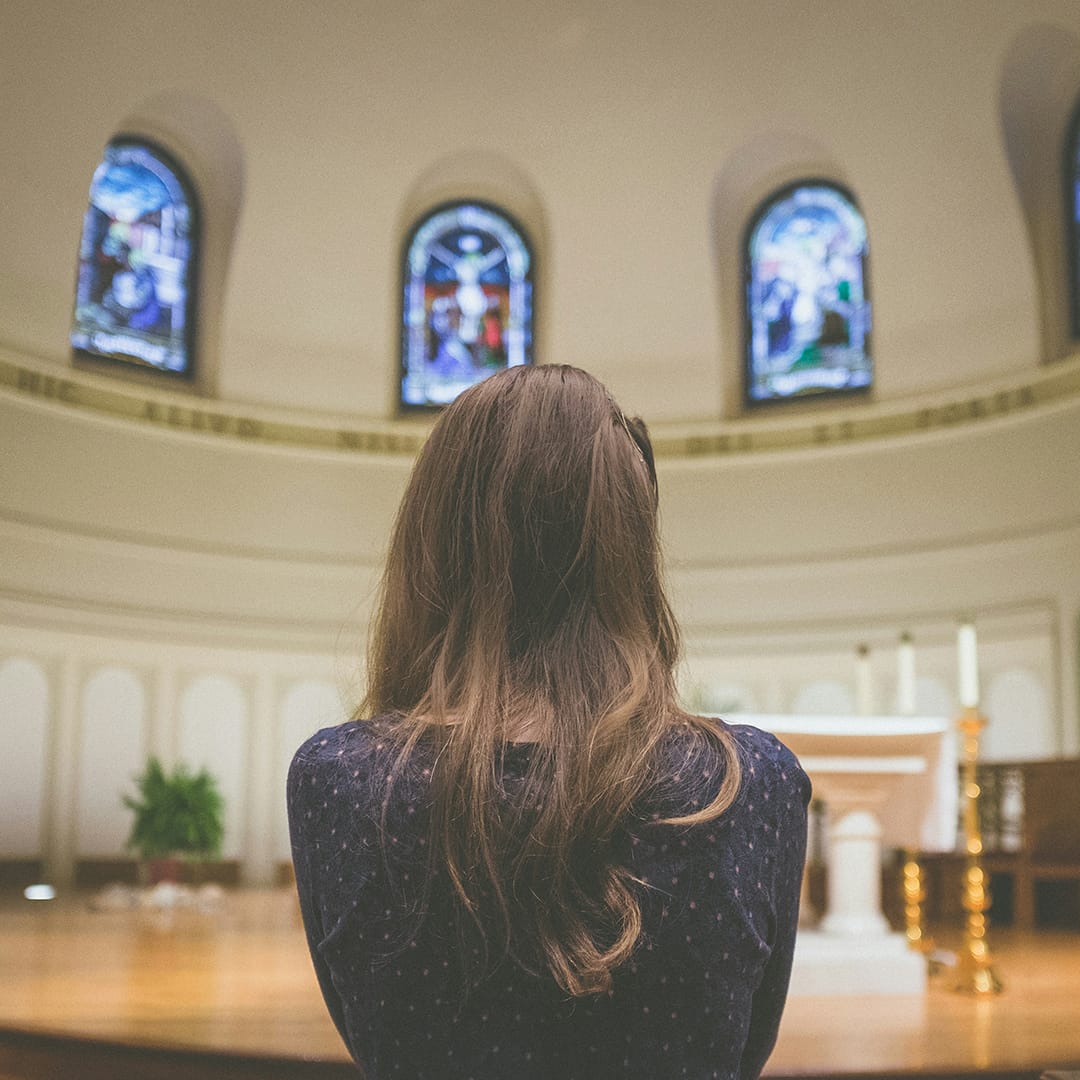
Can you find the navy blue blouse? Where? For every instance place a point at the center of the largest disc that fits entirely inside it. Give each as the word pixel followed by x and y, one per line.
pixel 701 997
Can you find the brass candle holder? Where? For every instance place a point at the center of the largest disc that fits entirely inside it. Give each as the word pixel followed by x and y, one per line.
pixel 914 895
pixel 974 972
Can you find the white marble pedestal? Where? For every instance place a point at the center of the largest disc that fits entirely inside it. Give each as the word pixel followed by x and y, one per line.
pixel 866 768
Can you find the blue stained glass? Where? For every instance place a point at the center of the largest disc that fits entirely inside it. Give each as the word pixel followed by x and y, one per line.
pixel 133 298
pixel 808 312
pixel 467 303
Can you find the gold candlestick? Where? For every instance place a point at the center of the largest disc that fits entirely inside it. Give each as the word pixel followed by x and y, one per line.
pixel 914 895
pixel 974 973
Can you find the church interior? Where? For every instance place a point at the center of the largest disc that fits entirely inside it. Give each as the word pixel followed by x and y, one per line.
pixel 191 546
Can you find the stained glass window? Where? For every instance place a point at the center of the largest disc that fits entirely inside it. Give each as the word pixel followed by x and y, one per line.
pixel 807 304
pixel 135 291
pixel 467 307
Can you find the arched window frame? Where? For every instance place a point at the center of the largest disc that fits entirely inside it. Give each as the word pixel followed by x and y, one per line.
pixel 189 274
pixel 760 213
pixel 521 320
pixel 1071 177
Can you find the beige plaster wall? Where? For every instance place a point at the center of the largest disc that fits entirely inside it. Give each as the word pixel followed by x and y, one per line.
pixel 634 138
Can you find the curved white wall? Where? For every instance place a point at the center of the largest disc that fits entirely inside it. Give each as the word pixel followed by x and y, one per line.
pixel 232 579
pixel 230 574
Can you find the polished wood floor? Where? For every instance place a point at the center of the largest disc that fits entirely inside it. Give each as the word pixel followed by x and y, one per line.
pixel 230 992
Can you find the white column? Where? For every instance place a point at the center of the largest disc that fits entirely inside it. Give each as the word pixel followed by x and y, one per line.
pixel 854 860
pixel 62 777
pixel 967 651
pixel 905 676
pixel 864 682
pixel 262 798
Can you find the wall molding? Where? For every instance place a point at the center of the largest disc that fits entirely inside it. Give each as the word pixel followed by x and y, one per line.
pixel 1050 386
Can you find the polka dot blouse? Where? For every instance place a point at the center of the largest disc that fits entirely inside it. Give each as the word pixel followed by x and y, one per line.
pixel 701 997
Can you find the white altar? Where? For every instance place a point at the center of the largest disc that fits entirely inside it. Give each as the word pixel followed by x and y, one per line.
pixel 884 780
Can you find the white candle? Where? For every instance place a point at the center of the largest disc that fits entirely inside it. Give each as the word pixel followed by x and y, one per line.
pixel 864 682
pixel 905 677
pixel 968 662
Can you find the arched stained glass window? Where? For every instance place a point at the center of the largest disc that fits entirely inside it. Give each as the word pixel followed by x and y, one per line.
pixel 807 302
pixel 1072 187
pixel 467 305
pixel 134 299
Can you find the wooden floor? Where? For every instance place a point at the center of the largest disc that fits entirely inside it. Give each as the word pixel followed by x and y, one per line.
pixel 231 993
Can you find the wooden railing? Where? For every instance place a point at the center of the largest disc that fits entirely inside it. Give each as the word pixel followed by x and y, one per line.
pixel 1029 814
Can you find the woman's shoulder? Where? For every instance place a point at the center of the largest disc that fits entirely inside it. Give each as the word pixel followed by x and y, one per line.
pixel 330 744
pixel 770 769
pixel 348 756
pixel 759 746
pixel 692 755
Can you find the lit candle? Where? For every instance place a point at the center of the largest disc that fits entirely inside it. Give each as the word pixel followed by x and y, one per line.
pixel 968 660
pixel 864 682
pixel 905 676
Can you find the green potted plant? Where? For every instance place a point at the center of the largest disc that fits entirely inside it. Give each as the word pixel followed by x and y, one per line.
pixel 178 816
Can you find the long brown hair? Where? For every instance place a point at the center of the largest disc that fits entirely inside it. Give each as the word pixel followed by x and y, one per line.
pixel 522 600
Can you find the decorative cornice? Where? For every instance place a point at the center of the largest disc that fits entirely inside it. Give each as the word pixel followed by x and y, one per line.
pixel 1054 384
pixel 203 416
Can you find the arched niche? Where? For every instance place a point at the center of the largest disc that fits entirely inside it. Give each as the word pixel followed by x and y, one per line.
pixel 212 734
pixel 933 697
pixel 724 698
pixel 198 134
pixel 765 163
pixel 486 177
pixel 466 289
pixel 24 715
pixel 1038 92
pixel 112 752
pixel 824 697
pixel 136 288
pixel 1020 720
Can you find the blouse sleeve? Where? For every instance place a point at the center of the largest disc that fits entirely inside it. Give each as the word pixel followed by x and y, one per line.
pixel 304 803
pixel 771 994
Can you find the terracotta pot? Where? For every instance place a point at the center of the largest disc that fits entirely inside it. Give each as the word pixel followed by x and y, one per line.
pixel 168 869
